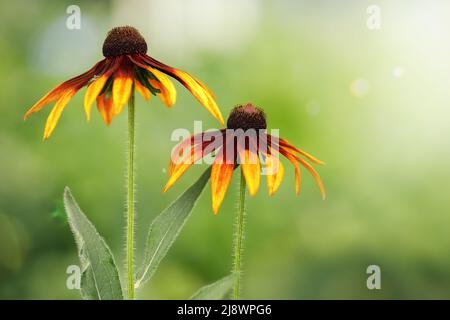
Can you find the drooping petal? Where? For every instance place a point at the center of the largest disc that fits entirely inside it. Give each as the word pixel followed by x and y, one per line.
pixel 122 86
pixel 251 168
pixel 294 162
pixel 105 107
pixel 198 89
pixel 96 87
pixel 274 172
pixel 53 95
pixel 168 94
pixel 181 165
pixel 209 140
pixel 143 91
pixel 315 176
pixel 180 149
pixel 200 92
pixel 92 93
pixel 55 114
pixel 73 84
pixel 287 145
pixel 221 175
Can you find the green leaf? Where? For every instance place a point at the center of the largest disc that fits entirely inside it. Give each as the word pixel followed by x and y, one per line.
pixel 100 278
pixel 166 227
pixel 215 291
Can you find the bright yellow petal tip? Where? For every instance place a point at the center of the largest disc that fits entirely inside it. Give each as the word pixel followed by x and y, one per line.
pixel 275 173
pixel 92 93
pixel 251 168
pixel 55 114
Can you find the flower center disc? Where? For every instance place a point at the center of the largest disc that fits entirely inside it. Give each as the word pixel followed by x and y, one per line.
pixel 247 117
pixel 122 41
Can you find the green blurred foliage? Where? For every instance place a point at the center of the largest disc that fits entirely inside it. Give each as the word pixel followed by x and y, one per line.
pixel 386 148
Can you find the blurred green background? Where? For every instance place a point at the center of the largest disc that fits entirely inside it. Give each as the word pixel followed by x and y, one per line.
pixel 374 104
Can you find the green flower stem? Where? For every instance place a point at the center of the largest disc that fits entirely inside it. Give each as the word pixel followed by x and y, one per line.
pixel 239 238
pixel 130 197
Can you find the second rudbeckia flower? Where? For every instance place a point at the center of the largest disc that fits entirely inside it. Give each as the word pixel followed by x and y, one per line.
pixel 244 142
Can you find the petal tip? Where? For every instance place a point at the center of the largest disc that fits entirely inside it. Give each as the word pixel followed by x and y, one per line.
pixel 253 192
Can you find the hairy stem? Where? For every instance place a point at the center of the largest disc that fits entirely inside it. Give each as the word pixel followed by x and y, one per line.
pixel 130 198
pixel 239 238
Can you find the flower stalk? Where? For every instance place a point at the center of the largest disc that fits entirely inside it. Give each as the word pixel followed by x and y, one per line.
pixel 130 198
pixel 239 239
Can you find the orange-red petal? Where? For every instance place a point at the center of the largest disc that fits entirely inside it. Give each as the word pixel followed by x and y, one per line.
pixel 181 148
pixel 221 175
pixel 287 145
pixel 73 84
pixel 178 169
pixel 53 95
pixel 206 139
pixel 294 162
pixel 105 107
pixel 315 176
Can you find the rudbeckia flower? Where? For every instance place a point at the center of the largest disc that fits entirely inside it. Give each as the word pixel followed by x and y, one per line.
pixel 111 81
pixel 244 142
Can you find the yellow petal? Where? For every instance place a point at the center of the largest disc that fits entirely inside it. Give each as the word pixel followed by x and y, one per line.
pixel 275 172
pixel 143 91
pixel 163 94
pixel 251 168
pixel 55 114
pixel 200 92
pixel 198 89
pixel 92 93
pixel 221 175
pixel 121 91
pixel 168 94
pixel 315 176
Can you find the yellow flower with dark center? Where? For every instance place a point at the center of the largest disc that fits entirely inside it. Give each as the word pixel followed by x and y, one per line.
pixel 111 81
pixel 245 142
